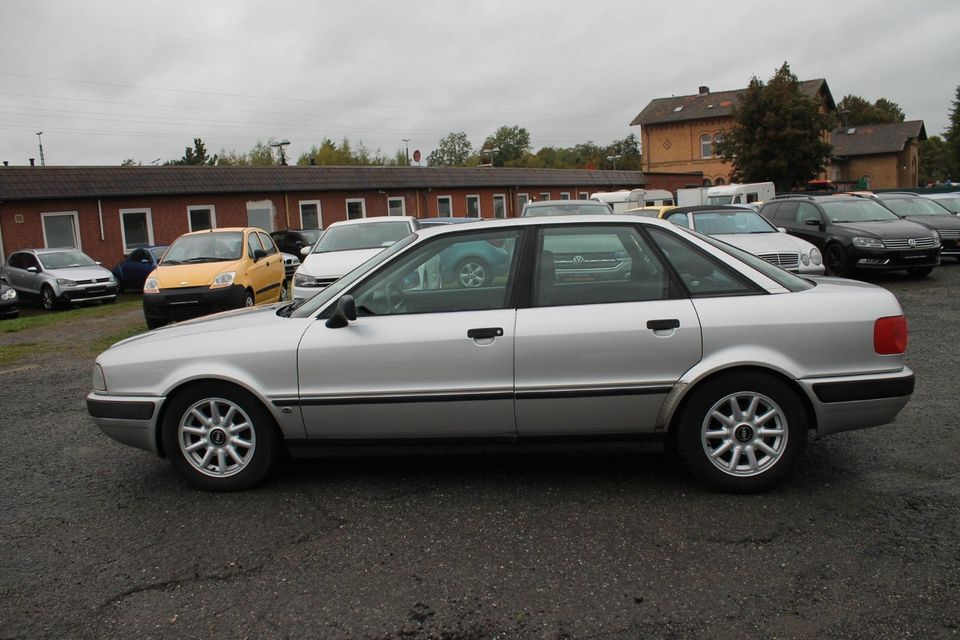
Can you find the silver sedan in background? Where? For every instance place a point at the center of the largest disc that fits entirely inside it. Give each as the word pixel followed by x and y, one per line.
pixel 696 344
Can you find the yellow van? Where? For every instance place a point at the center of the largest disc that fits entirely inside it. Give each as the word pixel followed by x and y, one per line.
pixel 214 270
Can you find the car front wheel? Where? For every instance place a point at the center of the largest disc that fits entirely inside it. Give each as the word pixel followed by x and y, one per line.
pixel 219 437
pixel 742 433
pixel 47 299
pixel 836 261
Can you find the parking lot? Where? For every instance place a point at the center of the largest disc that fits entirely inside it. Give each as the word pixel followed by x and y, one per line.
pixel 100 540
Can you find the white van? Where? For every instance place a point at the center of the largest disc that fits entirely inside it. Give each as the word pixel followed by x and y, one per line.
pixel 740 193
pixel 625 200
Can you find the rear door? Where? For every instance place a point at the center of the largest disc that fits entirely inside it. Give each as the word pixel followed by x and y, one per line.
pixel 600 345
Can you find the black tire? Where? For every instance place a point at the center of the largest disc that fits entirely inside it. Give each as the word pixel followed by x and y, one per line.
pixel 919 272
pixel 47 300
pixel 742 466
pixel 153 323
pixel 835 260
pixel 472 273
pixel 120 288
pixel 248 299
pixel 284 292
pixel 221 472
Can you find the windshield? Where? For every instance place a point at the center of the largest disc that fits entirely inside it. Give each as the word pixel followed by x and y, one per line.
pixel 363 235
pixel 857 210
pixel 65 260
pixel 721 222
pixel 785 279
pixel 720 200
pixel 309 306
pixel 952 204
pixel 217 246
pixel 915 207
pixel 572 209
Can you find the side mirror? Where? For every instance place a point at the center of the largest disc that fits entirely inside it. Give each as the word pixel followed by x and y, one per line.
pixel 812 222
pixel 782 229
pixel 305 251
pixel 259 254
pixel 33 270
pixel 345 312
pixel 145 260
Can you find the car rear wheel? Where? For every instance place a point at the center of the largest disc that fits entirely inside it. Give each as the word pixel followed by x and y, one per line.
pixel 219 437
pixel 836 261
pixel 47 299
pixel 472 273
pixel 742 433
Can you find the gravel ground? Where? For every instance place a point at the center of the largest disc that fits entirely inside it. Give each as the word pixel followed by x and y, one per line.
pixel 98 540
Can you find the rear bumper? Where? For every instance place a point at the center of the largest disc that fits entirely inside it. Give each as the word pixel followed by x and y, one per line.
pixel 128 420
pixel 857 402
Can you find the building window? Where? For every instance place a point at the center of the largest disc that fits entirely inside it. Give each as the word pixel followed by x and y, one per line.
pixel 260 215
pixel 564 195
pixel 201 217
pixel 584 195
pixel 706 146
pixel 499 205
pixel 356 208
pixel 707 182
pixel 866 181
pixel 61 230
pixel 545 195
pixel 396 206
pixel 473 207
pixel 719 181
pixel 136 228
pixel 311 215
pixel 444 206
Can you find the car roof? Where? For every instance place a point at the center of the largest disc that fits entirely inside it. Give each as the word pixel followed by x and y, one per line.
pixel 842 197
pixel 896 196
pixel 709 207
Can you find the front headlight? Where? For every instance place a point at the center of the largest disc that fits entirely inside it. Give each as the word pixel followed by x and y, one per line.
pixel 815 256
pixel 936 239
pixel 868 243
pixel 805 259
pixel 303 280
pixel 225 279
pixel 9 294
pixel 151 285
pixel 63 282
pixel 99 382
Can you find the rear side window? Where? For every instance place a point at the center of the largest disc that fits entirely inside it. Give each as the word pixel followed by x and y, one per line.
pixel 769 211
pixel 703 276
pixel 787 212
pixel 679 218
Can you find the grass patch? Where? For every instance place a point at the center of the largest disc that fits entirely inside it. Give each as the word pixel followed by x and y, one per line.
pixel 94 347
pixel 49 318
pixel 13 352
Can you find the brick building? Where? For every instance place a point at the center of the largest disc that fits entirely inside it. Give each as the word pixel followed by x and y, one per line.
pixel 106 211
pixel 878 156
pixel 679 134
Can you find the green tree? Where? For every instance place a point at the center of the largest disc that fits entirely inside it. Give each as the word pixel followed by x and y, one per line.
pixel 952 137
pixel 855 111
pixel 130 162
pixel 195 156
pixel 934 160
pixel 512 144
pixel 777 134
pixel 453 150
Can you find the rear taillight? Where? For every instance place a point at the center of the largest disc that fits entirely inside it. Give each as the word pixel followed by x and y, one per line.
pixel 890 335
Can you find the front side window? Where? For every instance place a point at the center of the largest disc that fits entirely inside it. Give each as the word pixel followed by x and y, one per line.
pixel 464 272
pixel 806 211
pixel 252 245
pixel 136 228
pixel 356 209
pixel 267 243
pixel 596 265
pixel 702 275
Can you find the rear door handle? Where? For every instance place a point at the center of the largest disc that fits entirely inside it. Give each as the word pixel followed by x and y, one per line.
pixel 485 333
pixel 663 325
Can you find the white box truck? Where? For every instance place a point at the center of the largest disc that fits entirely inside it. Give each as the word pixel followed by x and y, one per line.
pixel 691 196
pixel 740 193
pixel 625 200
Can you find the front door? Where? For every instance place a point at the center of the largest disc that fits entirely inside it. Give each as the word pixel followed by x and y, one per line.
pixel 606 338
pixel 427 356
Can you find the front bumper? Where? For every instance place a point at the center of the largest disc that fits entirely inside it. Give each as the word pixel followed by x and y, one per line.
pixel 856 402
pixel 893 259
pixel 9 308
pixel 128 420
pixel 191 302
pixel 87 293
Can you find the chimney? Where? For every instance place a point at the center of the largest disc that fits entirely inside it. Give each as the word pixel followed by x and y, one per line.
pixel 704 90
pixel 6 163
pixel 31 163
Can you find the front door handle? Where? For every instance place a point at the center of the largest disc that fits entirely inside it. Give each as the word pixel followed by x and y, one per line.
pixel 663 325
pixel 485 333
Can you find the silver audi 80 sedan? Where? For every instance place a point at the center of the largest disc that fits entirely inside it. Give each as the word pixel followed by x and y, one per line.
pixel 698 345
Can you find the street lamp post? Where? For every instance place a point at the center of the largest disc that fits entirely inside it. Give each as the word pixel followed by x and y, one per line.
pixel 40 140
pixel 614 159
pixel 406 148
pixel 280 145
pixel 491 151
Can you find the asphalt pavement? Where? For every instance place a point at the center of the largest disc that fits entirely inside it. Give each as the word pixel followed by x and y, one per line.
pixel 98 540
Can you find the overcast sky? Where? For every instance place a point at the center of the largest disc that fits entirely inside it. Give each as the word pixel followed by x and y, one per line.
pixel 106 80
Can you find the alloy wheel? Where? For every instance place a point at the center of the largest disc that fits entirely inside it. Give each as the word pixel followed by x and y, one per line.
pixel 744 434
pixel 217 437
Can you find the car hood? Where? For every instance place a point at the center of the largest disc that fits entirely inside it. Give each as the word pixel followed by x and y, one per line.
pixel 766 242
pixel 885 228
pixel 80 273
pixel 336 263
pixel 192 275
pixel 948 222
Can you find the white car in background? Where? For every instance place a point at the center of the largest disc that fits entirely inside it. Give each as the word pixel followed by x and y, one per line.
pixel 345 246
pixel 748 230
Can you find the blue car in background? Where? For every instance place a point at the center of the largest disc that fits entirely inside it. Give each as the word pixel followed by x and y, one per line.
pixel 134 269
pixel 470 264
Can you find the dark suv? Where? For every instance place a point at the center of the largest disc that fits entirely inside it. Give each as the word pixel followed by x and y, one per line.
pixel 855 232
pixel 294 240
pixel 930 214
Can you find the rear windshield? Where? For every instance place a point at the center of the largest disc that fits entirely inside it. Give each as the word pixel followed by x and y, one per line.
pixel 857 210
pixel 217 246
pixel 365 235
